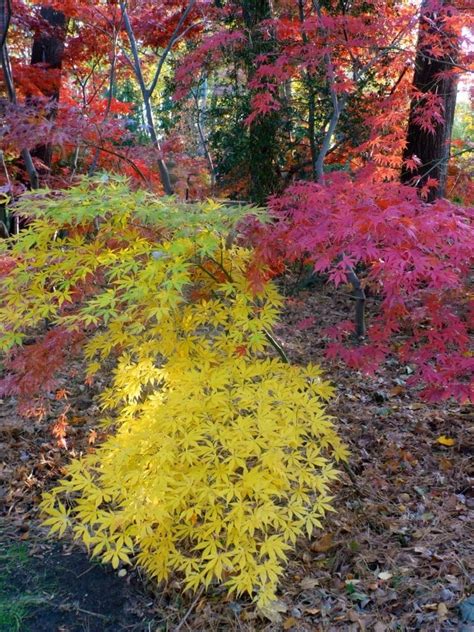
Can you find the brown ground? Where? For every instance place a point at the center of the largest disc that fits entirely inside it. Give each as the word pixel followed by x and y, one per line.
pixel 398 554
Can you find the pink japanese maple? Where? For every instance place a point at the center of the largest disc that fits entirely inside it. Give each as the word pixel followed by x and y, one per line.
pixel 413 258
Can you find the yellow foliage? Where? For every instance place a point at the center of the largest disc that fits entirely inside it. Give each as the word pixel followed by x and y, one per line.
pixel 218 458
pixel 215 475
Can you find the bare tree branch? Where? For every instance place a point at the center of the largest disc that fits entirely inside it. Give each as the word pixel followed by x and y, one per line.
pixel 337 106
pixel 163 169
pixel 169 46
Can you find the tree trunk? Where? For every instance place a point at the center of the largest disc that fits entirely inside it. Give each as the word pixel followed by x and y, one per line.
pixel 432 146
pixel 48 50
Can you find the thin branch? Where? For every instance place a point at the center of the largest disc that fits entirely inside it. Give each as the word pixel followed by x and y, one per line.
pixel 190 609
pixel 121 157
pixel 162 168
pixel 277 346
pixel 169 46
pixel 399 80
pixel 113 63
pixel 438 162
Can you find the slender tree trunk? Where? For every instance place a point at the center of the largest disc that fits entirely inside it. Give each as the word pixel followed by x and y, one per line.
pixel 5 15
pixel 338 105
pixel 146 96
pixel 432 77
pixel 201 128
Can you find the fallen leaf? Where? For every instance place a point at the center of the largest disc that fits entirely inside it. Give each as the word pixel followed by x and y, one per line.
pixel 354 617
pixel 289 623
pixel 397 390
pixel 385 576
pixel 447 441
pixel 445 464
pixel 273 611
pixel 324 544
pixel 308 583
pixel 442 611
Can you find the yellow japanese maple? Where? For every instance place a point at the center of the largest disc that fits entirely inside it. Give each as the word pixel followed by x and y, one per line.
pixel 218 457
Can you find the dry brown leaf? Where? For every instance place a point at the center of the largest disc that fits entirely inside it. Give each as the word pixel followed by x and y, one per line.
pixel 308 583
pixel 397 390
pixel 289 623
pixel 324 544
pixel 445 464
pixel 442 611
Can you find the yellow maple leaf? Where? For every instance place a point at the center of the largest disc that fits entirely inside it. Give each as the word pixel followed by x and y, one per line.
pixel 447 441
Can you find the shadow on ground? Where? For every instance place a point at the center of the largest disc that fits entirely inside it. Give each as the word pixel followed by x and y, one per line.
pixel 54 589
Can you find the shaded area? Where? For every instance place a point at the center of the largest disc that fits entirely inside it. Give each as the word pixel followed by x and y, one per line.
pixel 50 588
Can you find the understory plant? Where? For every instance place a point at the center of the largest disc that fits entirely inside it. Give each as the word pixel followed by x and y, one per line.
pixel 219 454
pixel 413 260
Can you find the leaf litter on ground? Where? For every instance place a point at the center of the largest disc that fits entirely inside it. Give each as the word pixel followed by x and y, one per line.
pixel 397 555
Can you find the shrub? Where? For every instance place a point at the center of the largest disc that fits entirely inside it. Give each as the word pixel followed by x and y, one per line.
pixel 415 258
pixel 217 457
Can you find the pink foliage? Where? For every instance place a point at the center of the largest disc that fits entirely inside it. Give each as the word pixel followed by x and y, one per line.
pixel 24 124
pixel 413 258
pixel 210 51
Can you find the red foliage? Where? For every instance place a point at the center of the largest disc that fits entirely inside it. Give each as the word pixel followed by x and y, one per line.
pixel 414 259
pixel 31 370
pixel 88 127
